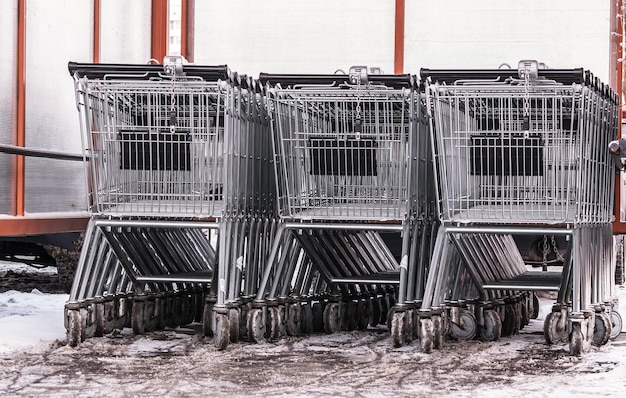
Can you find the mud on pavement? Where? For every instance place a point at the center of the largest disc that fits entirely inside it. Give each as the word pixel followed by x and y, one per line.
pixel 347 364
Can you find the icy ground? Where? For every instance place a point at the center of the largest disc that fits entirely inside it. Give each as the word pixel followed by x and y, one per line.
pixel 34 361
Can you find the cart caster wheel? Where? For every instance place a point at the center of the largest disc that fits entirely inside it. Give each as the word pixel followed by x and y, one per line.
pixel 275 322
pixel 75 326
pixel 122 318
pixel 384 310
pixel 294 319
pixel 601 330
pixel 110 320
pixel 426 335
pixel 576 339
pixel 508 322
pixel 363 314
pixel 207 320
pixel 466 328
pixel 616 324
pixel 332 320
pixel 161 308
pixel 99 319
pixel 306 326
pixel 353 315
pixel 150 320
pixel 137 317
pixel 524 314
pixel 243 321
pixel 256 326
pixel 438 331
pixel 233 320
pixel 87 315
pixel 535 313
pixel 222 331
pixel 318 317
pixel 554 330
pixel 374 317
pixel 492 326
pixel 398 333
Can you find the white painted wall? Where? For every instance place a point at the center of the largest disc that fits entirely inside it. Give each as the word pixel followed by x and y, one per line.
pixel 306 36
pixel 486 33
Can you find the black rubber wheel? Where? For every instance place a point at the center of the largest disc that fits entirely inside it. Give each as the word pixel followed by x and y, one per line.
pixel 363 314
pixel 398 333
pixel 426 335
pixel 275 322
pixel 149 315
pixel 616 324
pixel 465 329
pixel 137 317
pixel 554 330
pixel 438 331
pixel 74 331
pixel 110 316
pixel 222 331
pixel 233 321
pixel 306 326
pixel 332 320
pixel 576 340
pixel 601 330
pixel 318 317
pixel 492 326
pixel 208 320
pixel 535 313
pixel 294 319
pixel 374 318
pixel 99 319
pixel 256 326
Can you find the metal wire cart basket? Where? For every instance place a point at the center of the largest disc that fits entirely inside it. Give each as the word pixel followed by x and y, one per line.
pixel 179 171
pixel 522 153
pixel 351 156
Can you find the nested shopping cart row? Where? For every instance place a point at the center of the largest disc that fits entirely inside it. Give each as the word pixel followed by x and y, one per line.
pixel 300 203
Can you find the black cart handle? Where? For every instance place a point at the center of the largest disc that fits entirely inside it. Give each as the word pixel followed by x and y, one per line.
pixel 145 71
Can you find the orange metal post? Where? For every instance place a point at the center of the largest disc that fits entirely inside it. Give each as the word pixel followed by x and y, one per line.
pixel 187 28
pixel 398 63
pixel 96 31
pixel 20 134
pixel 159 32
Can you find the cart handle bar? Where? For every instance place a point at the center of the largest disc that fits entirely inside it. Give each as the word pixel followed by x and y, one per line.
pixel 286 80
pixel 146 71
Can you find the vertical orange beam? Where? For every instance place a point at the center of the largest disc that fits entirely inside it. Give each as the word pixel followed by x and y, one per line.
pixel 159 31
pixel 96 31
pixel 187 28
pixel 398 53
pixel 20 133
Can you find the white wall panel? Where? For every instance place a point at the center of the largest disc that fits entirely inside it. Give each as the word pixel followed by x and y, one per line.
pixel 486 33
pixel 125 31
pixel 294 36
pixel 56 32
pixel 8 67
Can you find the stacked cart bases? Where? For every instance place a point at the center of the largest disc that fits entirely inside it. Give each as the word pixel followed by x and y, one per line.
pixel 294 204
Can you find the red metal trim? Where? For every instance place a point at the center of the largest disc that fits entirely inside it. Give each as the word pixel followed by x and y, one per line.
pixel 187 29
pixel 159 32
pixel 96 31
pixel 398 54
pixel 20 226
pixel 20 133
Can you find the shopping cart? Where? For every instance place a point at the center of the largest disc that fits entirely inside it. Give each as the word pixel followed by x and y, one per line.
pixel 351 158
pixel 180 177
pixel 522 152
